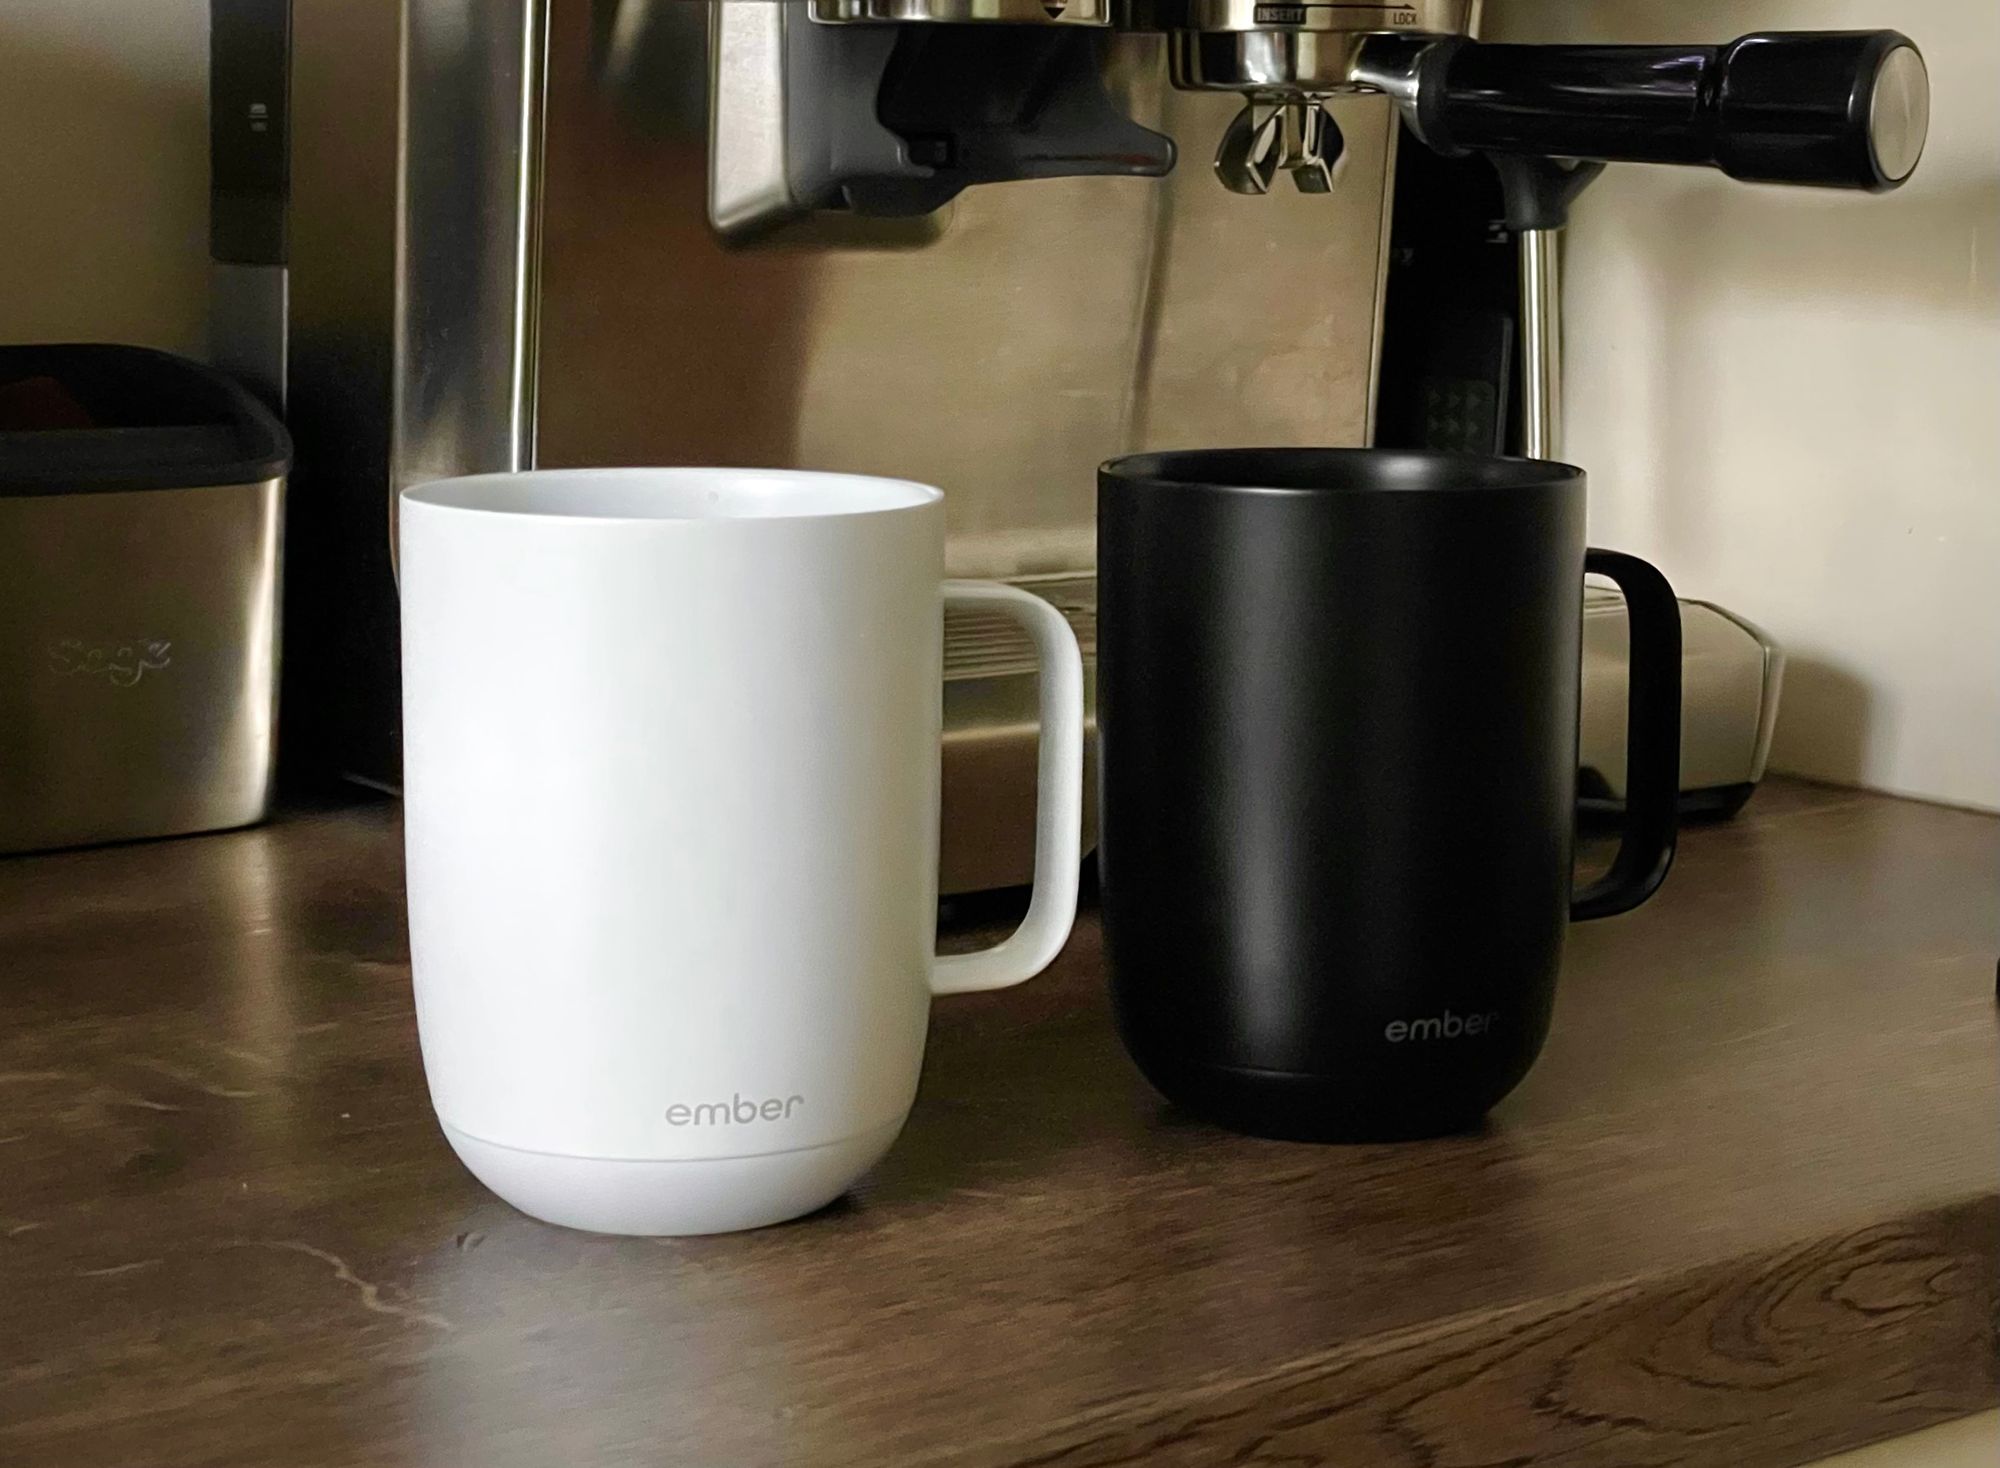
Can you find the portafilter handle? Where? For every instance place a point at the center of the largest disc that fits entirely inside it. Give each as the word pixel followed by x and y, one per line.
pixel 1838 109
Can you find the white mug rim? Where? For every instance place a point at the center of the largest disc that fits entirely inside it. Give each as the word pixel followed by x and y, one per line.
pixel 669 496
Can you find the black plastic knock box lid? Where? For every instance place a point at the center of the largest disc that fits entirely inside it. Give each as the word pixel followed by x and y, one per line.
pixel 89 418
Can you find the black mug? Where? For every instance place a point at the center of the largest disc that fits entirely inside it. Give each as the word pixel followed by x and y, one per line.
pixel 1337 755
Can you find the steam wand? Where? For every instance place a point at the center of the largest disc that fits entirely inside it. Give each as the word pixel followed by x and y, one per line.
pixel 1538 193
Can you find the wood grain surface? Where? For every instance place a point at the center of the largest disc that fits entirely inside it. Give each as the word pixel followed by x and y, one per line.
pixel 1745 1212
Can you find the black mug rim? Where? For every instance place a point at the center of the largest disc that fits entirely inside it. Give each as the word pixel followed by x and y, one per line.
pixel 1287 471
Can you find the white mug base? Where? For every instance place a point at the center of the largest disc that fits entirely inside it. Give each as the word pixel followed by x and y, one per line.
pixel 671 1197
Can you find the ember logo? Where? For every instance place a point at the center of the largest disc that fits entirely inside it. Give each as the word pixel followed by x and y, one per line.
pixel 120 664
pixel 1446 1026
pixel 737 1111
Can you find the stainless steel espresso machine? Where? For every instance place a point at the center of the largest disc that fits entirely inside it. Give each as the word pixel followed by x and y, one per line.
pixel 976 242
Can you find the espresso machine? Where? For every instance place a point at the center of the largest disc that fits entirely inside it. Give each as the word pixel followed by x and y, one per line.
pixel 983 243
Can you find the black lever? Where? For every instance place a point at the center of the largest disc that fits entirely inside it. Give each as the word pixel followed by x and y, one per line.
pixel 1841 109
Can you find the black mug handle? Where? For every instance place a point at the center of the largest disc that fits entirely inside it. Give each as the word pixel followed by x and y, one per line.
pixel 1652 740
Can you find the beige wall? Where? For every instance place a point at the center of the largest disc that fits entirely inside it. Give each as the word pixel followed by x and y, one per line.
pixel 1792 399
pixel 104 175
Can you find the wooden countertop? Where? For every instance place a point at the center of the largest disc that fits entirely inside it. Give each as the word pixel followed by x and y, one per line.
pixel 1746 1211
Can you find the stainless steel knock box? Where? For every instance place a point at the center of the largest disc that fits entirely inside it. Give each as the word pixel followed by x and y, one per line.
pixel 141 505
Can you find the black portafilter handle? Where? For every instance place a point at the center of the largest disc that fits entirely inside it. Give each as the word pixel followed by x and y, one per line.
pixel 1838 109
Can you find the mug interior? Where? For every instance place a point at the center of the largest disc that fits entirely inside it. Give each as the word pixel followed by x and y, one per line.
pixel 672 494
pixel 1331 471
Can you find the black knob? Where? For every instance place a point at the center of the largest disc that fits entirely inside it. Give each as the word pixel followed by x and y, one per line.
pixel 1839 109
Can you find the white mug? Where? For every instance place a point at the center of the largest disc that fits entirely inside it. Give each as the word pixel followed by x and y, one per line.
pixel 671 743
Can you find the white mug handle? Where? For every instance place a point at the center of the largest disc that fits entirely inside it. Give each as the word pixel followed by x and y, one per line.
pixel 1058 799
